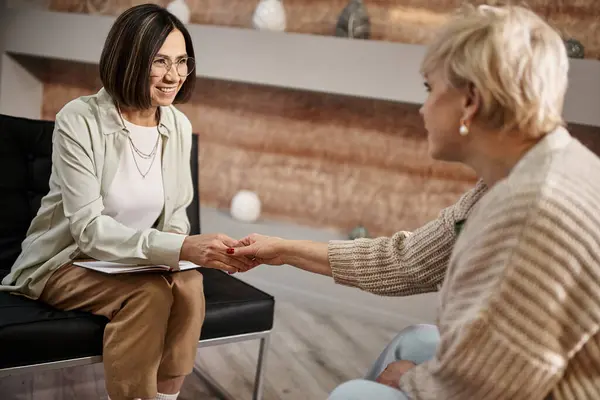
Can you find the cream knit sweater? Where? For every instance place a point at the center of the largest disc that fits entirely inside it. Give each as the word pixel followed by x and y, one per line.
pixel 519 313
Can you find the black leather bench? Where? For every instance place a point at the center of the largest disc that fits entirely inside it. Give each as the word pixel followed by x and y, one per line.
pixel 34 336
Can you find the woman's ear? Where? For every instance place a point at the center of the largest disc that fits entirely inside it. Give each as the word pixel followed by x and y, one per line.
pixel 472 102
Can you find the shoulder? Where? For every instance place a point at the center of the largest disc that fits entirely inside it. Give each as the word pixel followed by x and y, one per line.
pixel 551 204
pixel 180 121
pixel 180 129
pixel 84 107
pixel 561 174
pixel 510 201
pixel 78 118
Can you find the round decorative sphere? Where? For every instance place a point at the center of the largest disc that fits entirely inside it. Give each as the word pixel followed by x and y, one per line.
pixel 269 15
pixel 180 9
pixel 245 206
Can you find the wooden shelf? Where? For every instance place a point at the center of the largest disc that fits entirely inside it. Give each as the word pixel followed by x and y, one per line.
pixel 371 69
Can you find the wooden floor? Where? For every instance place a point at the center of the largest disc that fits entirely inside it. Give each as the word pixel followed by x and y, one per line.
pixel 311 353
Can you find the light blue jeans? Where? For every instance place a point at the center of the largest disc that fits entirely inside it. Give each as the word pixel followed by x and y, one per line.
pixel 416 343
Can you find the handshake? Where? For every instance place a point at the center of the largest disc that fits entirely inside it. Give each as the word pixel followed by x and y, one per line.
pixel 219 251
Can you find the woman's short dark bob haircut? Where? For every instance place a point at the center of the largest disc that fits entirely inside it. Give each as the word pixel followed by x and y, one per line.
pixel 131 45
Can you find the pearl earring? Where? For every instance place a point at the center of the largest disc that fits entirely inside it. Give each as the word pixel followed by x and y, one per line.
pixel 464 130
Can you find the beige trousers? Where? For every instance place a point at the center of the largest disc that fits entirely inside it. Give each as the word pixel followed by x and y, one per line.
pixel 154 328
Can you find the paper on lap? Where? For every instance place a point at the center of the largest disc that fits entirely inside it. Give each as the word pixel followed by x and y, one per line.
pixel 119 268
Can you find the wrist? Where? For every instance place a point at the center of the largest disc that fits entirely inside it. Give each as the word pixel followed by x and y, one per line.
pixel 184 251
pixel 285 248
pixel 165 248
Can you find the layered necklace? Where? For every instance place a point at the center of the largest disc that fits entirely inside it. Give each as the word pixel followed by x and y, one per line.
pixel 134 150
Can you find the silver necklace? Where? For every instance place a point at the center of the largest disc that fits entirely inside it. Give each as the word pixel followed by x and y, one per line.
pixel 135 150
pixel 144 155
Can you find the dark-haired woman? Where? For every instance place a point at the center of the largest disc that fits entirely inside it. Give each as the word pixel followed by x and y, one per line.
pixel 119 190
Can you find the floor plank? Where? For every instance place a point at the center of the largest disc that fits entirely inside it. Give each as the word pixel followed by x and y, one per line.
pixel 311 352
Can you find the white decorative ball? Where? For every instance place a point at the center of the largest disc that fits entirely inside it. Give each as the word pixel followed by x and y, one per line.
pixel 245 206
pixel 180 9
pixel 269 15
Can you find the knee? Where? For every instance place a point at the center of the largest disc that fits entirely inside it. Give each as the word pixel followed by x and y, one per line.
pixel 154 293
pixel 351 390
pixel 419 330
pixel 417 343
pixel 189 280
pixel 188 290
pixel 417 334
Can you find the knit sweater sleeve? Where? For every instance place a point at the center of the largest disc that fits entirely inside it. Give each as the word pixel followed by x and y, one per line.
pixel 408 262
pixel 523 298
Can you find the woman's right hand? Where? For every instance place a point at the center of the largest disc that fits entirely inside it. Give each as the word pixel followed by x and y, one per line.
pixel 261 249
pixel 304 254
pixel 214 251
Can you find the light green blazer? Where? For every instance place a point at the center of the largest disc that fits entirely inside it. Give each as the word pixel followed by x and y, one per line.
pixel 89 138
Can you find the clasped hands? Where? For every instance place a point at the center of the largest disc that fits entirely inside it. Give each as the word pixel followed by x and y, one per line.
pixel 219 251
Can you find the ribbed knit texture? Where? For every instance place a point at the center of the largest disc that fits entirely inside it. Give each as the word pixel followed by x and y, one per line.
pixel 407 263
pixel 520 303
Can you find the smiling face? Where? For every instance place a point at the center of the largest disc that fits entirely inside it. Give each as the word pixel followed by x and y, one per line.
pixel 443 111
pixel 167 69
pixel 143 63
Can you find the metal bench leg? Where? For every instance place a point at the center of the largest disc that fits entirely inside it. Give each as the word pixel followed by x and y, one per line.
pixel 258 378
pixel 260 368
pixel 212 384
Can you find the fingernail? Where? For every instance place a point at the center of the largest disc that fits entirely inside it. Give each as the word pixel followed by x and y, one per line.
pixel 230 251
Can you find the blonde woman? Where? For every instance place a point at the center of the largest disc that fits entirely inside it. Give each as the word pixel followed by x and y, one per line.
pixel 518 257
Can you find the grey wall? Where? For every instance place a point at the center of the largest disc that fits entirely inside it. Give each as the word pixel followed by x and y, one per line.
pixel 20 91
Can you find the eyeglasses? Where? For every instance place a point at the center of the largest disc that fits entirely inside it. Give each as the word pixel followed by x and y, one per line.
pixel 162 66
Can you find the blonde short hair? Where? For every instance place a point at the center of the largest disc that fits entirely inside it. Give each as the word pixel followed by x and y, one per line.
pixel 517 62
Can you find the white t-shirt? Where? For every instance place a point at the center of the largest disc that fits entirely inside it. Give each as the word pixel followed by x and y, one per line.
pixel 132 199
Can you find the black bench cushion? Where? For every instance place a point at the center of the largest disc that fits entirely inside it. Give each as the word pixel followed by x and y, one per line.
pixel 32 332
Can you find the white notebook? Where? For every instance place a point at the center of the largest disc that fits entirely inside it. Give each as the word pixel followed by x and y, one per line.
pixel 118 268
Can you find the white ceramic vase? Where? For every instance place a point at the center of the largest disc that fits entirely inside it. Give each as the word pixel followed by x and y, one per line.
pixel 269 15
pixel 180 9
